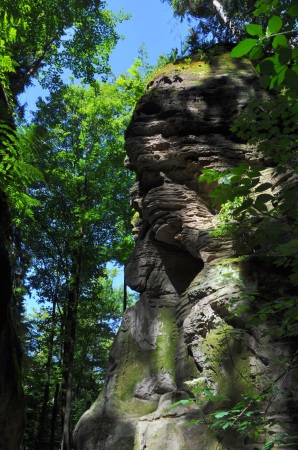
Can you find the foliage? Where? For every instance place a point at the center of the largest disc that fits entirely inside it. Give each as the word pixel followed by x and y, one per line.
pixel 8 34
pixel 166 59
pixel 250 417
pixel 99 316
pixel 213 21
pixel 55 35
pixel 68 166
pixel 42 39
pixel 280 67
pixel 82 221
pixel 271 126
pixel 15 173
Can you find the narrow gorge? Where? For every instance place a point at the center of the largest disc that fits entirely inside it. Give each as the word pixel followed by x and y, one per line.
pixel 181 336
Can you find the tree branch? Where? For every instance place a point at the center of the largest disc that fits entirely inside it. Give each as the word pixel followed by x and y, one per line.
pixel 223 15
pixel 33 69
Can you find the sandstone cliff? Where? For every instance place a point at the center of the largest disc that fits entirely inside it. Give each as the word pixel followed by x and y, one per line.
pixel 179 334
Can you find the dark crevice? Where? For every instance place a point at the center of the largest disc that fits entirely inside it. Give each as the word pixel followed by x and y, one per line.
pixel 191 158
pixel 149 85
pixel 166 80
pixel 180 266
pixel 144 229
pixel 177 78
pixel 149 109
pixel 190 353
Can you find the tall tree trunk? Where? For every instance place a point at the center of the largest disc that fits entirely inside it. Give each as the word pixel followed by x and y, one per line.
pixel 55 408
pixel 69 347
pixel 54 417
pixel 12 409
pixel 46 395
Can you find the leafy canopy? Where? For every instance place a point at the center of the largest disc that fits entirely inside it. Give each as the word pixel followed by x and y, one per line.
pixel 47 37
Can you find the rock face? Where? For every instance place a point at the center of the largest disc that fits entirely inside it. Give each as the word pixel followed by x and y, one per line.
pixel 180 335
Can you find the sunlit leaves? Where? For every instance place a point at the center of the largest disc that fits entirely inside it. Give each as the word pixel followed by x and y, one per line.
pixel 279 41
pixel 280 69
pixel 61 35
pixel 274 24
pixel 243 48
pixel 254 30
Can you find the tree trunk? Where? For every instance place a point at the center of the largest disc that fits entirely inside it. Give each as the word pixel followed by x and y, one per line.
pixel 54 417
pixel 46 395
pixel 224 17
pixel 69 347
pixel 12 408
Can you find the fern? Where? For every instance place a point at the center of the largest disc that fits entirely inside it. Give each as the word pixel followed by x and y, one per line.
pixel 16 174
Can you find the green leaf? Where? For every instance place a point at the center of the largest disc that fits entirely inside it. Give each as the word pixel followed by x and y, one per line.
pixel 281 75
pixel 274 24
pixel 268 446
pixel 267 67
pixel 245 205
pixel 284 55
pixel 264 198
pixel 256 52
pixel 221 414
pixel 243 48
pixel 263 317
pixel 246 181
pixel 254 182
pixel 256 170
pixel 260 10
pixel 254 30
pixel 295 53
pixel 293 11
pixel 208 392
pixel 291 79
pixel 182 402
pixel 265 81
pixel 244 166
pixel 263 187
pixel 279 41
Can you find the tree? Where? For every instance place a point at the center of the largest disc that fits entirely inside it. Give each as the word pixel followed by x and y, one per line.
pixel 98 316
pixel 215 21
pixel 83 217
pixel 55 35
pixel 35 36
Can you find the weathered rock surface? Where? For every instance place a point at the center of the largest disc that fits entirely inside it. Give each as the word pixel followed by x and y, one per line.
pixel 179 334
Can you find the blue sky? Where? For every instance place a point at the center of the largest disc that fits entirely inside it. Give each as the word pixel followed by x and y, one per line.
pixel 153 24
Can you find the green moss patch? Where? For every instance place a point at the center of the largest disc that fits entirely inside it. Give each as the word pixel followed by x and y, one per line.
pixel 137 364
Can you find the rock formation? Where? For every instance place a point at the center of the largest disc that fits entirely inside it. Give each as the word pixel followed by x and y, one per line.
pixel 180 335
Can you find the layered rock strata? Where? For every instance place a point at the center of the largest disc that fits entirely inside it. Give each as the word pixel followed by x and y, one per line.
pixel 179 336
